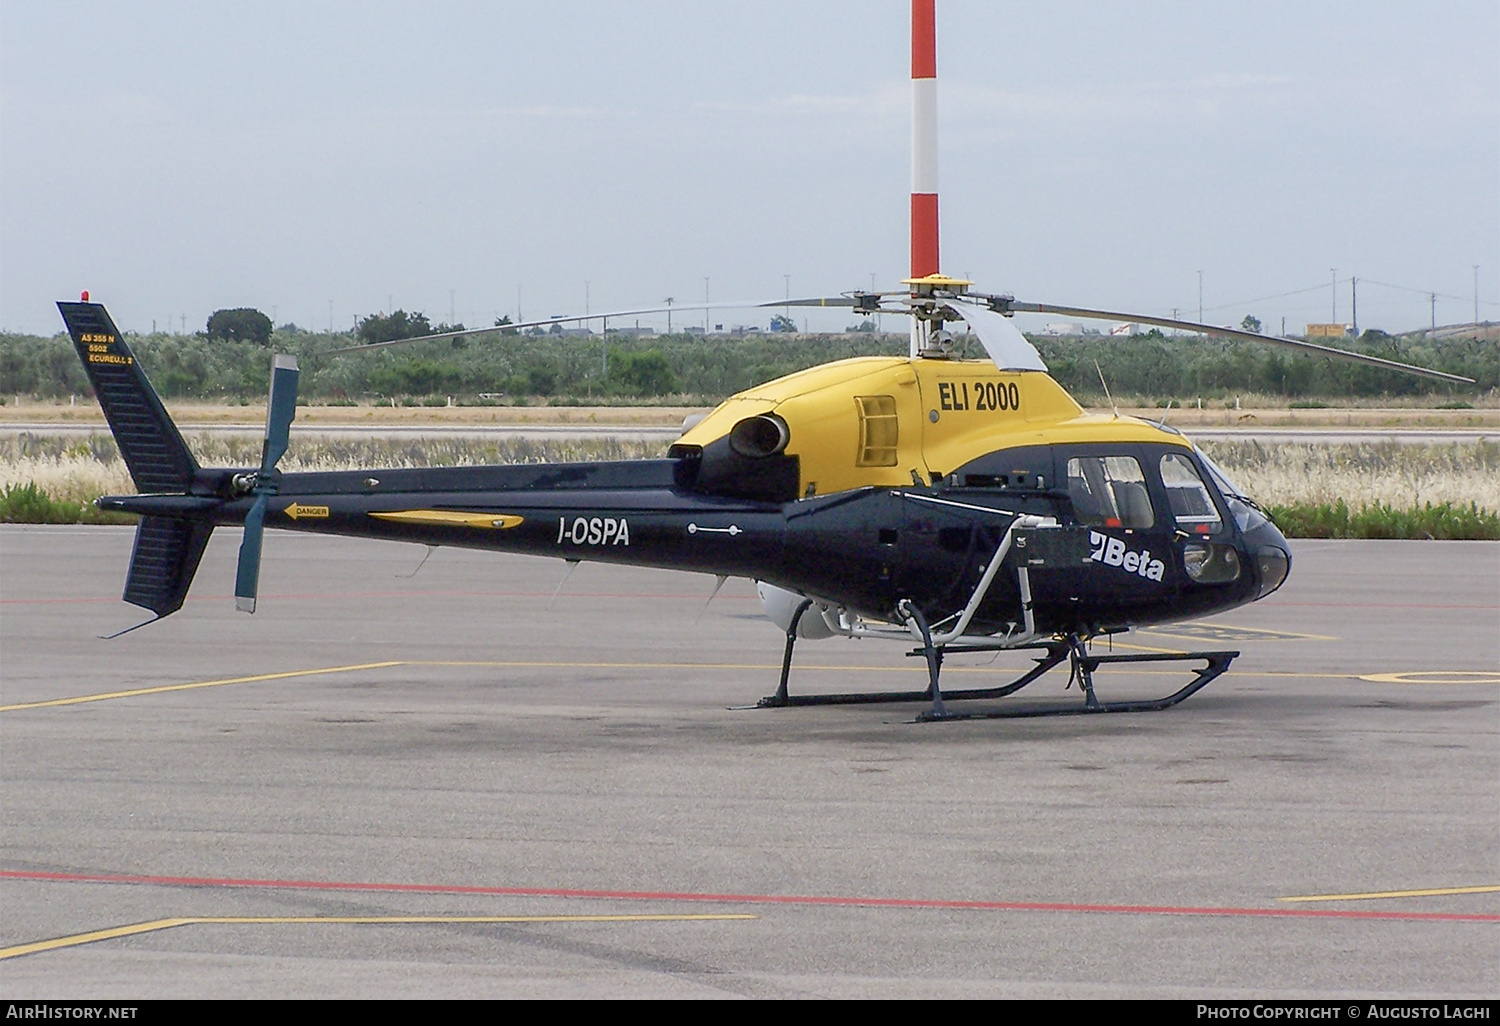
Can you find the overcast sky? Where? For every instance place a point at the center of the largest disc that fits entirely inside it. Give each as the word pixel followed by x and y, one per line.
pixel 175 158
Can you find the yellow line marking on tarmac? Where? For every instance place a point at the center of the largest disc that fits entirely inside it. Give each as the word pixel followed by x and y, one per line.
pixel 1274 635
pixel 197 684
pixel 852 668
pixel 1435 677
pixel 1405 677
pixel 74 940
pixel 1487 889
pixel 1138 648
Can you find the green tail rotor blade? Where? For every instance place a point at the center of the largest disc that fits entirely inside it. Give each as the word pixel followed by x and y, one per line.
pixel 280 410
pixel 247 576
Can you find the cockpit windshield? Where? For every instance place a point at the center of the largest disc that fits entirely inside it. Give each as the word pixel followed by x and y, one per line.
pixel 1221 479
pixel 1247 512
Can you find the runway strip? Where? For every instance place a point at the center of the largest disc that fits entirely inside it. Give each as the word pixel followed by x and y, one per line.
pixel 754 899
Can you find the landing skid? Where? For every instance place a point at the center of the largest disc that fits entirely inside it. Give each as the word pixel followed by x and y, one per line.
pixel 1082 667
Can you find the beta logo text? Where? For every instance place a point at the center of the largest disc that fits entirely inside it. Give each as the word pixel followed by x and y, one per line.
pixel 1112 552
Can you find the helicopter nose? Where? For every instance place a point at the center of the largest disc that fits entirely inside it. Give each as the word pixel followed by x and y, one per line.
pixel 1272 555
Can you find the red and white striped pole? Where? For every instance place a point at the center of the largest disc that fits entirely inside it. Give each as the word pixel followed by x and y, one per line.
pixel 924 153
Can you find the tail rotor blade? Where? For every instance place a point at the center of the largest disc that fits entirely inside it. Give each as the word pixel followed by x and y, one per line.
pixel 280 410
pixel 247 576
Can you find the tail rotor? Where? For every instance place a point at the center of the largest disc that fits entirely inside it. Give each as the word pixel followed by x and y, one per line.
pixel 266 481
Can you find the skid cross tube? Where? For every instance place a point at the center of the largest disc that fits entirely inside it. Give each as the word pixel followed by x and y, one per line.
pixel 1071 648
pixel 1056 651
pixel 1084 665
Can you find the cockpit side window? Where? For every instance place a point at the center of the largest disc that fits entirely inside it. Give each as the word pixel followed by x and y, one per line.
pixel 1192 506
pixel 1109 491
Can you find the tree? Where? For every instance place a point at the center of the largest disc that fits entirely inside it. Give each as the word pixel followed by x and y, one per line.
pixel 1251 323
pixel 780 323
pixel 503 322
pixel 417 377
pixel 398 325
pixel 242 324
pixel 645 373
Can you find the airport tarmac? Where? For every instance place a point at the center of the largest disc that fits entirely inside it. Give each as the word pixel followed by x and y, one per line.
pixel 450 784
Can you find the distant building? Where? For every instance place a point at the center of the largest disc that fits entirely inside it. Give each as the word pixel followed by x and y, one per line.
pixel 1125 329
pixel 1328 331
pixel 1061 328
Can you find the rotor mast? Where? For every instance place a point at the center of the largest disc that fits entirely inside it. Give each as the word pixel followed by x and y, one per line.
pixel 924 156
pixel 928 283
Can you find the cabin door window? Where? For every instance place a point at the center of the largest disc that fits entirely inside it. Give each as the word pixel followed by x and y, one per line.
pixel 1109 491
pixel 1192 507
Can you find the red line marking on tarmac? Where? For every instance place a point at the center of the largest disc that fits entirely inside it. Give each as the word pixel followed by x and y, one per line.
pixel 753 899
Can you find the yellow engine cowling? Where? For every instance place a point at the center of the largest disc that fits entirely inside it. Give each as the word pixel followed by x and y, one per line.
pixel 890 421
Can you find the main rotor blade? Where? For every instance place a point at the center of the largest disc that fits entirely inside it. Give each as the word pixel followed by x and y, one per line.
pixel 247 574
pixel 1210 329
pixel 548 322
pixel 1000 337
pixel 834 301
pixel 281 407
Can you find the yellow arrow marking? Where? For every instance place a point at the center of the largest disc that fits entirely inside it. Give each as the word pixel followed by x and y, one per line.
pixel 296 511
pixel 73 940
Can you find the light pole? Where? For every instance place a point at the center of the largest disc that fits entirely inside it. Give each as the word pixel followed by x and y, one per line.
pixel 705 306
pixel 1333 289
pixel 1200 297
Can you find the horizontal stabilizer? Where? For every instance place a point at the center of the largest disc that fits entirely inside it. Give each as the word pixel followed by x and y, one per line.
pixel 166 556
pixel 150 444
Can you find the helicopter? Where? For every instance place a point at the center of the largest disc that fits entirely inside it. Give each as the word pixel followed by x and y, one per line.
pixel 952 504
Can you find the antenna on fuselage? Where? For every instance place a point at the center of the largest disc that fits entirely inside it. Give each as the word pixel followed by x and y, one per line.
pixel 1108 398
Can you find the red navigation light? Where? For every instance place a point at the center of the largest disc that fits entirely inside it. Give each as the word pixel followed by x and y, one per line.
pixel 85 298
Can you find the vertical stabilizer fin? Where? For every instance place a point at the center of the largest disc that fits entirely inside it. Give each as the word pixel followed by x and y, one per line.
pixel 150 444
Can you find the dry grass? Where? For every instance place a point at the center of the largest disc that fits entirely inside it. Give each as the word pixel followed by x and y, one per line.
pixel 1402 476
pixel 1362 474
pixel 70 470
